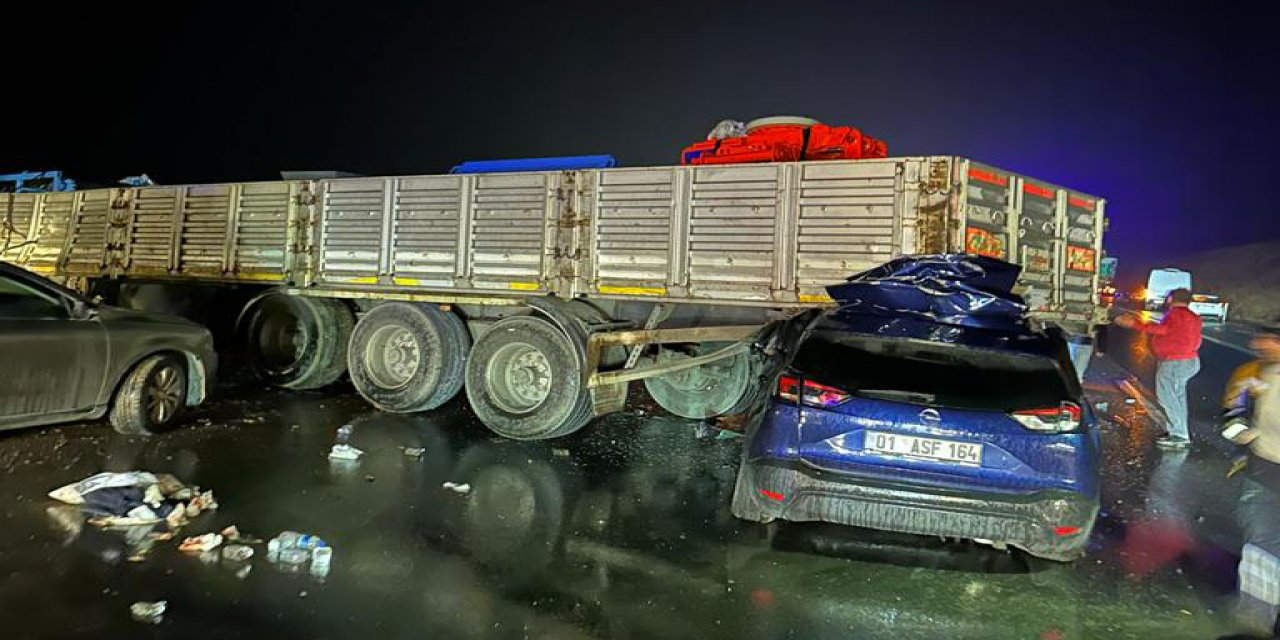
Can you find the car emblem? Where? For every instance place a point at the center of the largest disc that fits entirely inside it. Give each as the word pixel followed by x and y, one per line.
pixel 931 415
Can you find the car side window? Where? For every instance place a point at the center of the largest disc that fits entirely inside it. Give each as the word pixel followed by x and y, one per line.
pixel 20 301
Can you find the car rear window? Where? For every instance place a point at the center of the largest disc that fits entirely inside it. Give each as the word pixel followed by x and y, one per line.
pixel 932 373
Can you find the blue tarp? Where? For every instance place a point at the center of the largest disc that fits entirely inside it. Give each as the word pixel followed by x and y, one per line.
pixel 557 163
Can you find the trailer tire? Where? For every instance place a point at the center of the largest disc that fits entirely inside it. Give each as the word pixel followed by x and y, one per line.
pixel 151 397
pixel 406 357
pixel 525 381
pixel 718 388
pixel 297 342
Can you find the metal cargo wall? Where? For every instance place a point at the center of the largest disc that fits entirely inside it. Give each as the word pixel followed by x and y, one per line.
pixel 95 231
pixel 52 225
pixel 851 218
pixel 733 234
pixel 460 233
pixel 1039 242
pixel 268 230
pixel 1082 252
pixel 217 231
pixel 17 225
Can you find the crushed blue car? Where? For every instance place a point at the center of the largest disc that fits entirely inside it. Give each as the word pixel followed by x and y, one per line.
pixel 927 403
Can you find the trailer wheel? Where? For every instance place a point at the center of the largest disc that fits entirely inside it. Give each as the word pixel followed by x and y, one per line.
pixel 713 389
pixel 525 382
pixel 297 342
pixel 407 357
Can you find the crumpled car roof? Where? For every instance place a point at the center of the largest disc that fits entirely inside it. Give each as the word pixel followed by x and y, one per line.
pixel 956 298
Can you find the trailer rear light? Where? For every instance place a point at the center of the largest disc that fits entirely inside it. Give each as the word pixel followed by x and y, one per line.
pixel 812 393
pixel 1060 419
pixel 1066 530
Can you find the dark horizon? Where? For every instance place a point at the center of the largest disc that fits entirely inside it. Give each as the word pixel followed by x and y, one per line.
pixel 1164 114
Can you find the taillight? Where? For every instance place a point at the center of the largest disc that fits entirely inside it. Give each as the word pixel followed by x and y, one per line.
pixel 1060 419
pixel 814 394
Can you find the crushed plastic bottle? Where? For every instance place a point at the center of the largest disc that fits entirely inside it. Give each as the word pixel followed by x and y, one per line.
pixel 344 452
pixel 321 561
pixel 310 542
pixel 148 612
pixel 294 556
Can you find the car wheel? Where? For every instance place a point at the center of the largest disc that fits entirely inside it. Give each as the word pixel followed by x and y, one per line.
pixel 151 396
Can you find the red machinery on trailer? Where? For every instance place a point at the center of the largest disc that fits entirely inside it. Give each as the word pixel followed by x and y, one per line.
pixel 782 139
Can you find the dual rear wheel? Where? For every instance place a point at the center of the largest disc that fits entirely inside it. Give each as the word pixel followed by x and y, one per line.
pixel 524 376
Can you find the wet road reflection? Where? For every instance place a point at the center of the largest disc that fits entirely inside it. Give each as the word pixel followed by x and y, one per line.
pixel 620 531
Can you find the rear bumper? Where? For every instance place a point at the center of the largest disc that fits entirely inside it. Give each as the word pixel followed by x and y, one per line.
pixel 769 490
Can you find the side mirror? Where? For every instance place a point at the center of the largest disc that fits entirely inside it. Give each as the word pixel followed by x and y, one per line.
pixel 82 310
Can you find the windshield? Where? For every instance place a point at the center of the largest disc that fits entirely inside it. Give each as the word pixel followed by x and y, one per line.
pixel 932 373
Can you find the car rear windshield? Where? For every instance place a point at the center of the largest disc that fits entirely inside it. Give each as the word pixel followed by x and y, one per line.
pixel 932 373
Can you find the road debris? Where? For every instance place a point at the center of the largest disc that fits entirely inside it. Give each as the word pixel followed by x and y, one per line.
pixel 321 561
pixel 237 553
pixel 414 452
pixel 132 498
pixel 233 534
pixel 344 452
pixel 148 612
pixel 200 544
pixel 455 487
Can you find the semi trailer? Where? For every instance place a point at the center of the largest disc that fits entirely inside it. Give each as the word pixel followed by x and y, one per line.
pixel 544 294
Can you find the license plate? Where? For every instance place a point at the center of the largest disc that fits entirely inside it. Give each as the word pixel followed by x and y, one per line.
pixel 929 448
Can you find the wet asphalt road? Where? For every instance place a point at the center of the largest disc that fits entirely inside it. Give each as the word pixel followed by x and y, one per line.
pixel 620 531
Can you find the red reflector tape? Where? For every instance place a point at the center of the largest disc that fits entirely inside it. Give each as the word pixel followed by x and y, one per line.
pixel 1077 201
pixel 776 495
pixel 1066 531
pixel 988 176
pixel 1037 190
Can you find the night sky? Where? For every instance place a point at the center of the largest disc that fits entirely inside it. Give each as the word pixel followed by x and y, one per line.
pixel 1170 115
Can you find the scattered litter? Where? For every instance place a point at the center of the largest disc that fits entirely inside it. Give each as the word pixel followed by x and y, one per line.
pixel 148 612
pixel 1185 612
pixel 321 561
pixel 291 550
pixel 294 556
pixel 237 552
pixel 369 478
pixel 308 542
pixel 206 542
pixel 123 499
pixel 455 487
pixel 233 534
pixel 344 434
pixel 201 503
pixel 414 452
pixel 344 452
pixel 560 452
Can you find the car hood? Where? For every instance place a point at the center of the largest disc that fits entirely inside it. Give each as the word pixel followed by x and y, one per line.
pixel 119 314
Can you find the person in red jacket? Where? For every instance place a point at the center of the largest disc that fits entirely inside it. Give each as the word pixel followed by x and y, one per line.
pixel 1176 342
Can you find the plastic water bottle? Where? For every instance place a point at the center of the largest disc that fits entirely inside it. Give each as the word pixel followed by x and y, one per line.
pixel 289 539
pixel 309 542
pixel 321 560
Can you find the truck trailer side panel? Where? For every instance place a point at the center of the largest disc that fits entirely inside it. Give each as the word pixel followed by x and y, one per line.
pixel 759 235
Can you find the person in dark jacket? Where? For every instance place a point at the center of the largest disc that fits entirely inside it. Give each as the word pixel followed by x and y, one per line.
pixel 1176 342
